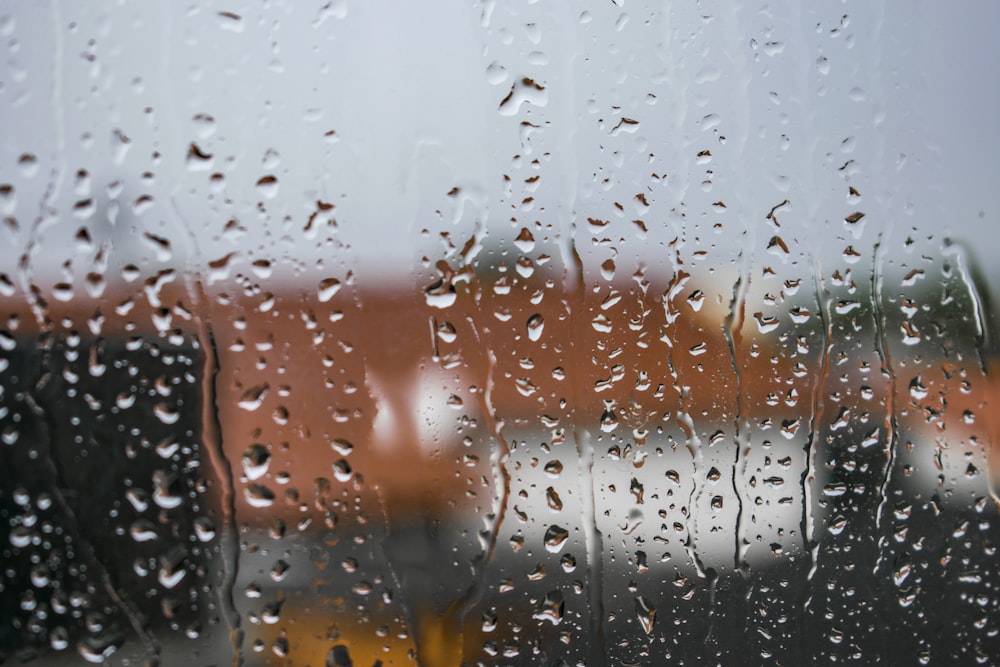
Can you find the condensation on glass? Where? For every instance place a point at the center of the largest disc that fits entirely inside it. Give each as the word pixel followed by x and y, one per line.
pixel 490 333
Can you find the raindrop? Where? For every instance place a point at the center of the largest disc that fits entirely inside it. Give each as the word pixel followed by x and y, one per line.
pixel 646 614
pixel 20 537
pixel 97 651
pixel 568 562
pixel 163 493
pixel 280 570
pixel 143 531
pixel 609 421
pixel 553 468
pixel 555 538
pixel 342 470
pixel 602 324
pixel 267 186
pixel 551 608
pixel 696 300
pixel 197 159
pixel 766 323
pixel 328 287
pixel 256 459
pixel 204 529
pixel 525 242
pixel 342 447
pixel 166 414
pixel 259 496
pixel 553 500
pixel 253 397
pixel 58 638
pixel 536 324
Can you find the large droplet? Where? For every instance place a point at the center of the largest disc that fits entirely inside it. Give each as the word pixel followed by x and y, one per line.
pixel 551 608
pixel 255 461
pixel 555 538
pixel 645 613
pixel 536 324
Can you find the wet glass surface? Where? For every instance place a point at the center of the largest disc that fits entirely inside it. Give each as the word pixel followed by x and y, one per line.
pixel 497 334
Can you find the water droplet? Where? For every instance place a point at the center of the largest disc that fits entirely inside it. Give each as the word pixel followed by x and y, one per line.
pixel 97 650
pixel 766 323
pixel 280 570
pixel 254 396
pixel 255 461
pixel 553 500
pixel 551 608
pixel 525 242
pixel 536 325
pixel 20 537
pixel 568 562
pixel 267 186
pixel 342 470
pixel 777 246
pixel 911 335
pixel 58 638
pixel 166 414
pixel 646 614
pixel 609 421
pixel 555 538
pixel 441 296
pixel 846 306
pixel 230 21
pixel 163 493
pixel 204 529
pixel 608 269
pixel 342 447
pixel 197 159
pixel 601 323
pixel 328 287
pixel 271 613
pixel 696 300
pixel 523 91
pixel 258 495
pixel 525 387
pixel 339 656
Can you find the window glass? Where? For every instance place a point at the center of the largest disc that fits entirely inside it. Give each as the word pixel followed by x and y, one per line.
pixel 498 333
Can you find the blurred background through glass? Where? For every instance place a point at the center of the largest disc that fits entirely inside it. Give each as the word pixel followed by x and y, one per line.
pixel 498 333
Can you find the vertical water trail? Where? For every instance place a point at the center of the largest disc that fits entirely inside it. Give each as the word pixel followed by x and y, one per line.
pixel 817 408
pixel 985 345
pixel 693 443
pixel 594 540
pixel 972 280
pixel 695 448
pixel 882 348
pixel 499 455
pixel 229 546
pixel 56 173
pixel 51 473
pixel 575 292
pixel 39 310
pixel 734 338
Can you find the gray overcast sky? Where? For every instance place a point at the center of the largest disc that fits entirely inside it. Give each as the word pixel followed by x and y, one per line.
pixel 412 94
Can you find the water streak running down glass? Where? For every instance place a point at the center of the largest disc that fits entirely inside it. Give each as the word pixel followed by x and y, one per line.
pixel 498 333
